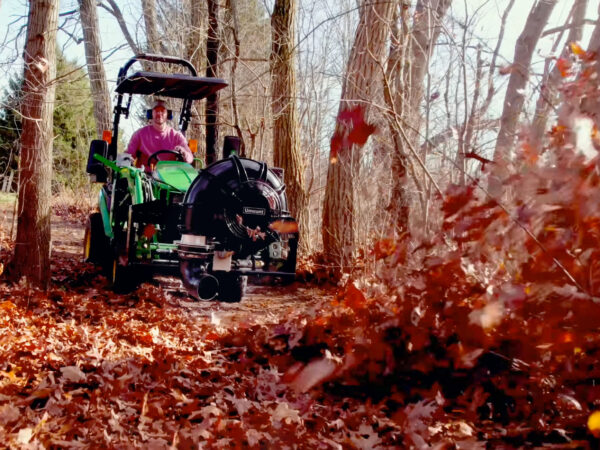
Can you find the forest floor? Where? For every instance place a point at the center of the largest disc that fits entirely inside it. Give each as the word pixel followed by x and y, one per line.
pixel 81 366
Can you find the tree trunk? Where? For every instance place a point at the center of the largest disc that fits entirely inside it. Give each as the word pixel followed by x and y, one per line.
pixel 96 74
pixel 212 101
pixel 152 36
pixel 363 73
pixel 548 92
pixel 286 138
pixel 233 15
pixel 590 105
pixel 32 249
pixel 195 51
pixel 515 92
pixel 408 65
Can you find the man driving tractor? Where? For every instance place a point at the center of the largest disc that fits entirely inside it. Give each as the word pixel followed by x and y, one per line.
pixel 158 135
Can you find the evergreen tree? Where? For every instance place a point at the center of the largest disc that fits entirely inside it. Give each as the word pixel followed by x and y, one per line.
pixel 74 125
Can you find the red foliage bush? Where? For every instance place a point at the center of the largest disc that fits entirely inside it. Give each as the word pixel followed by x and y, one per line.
pixel 497 316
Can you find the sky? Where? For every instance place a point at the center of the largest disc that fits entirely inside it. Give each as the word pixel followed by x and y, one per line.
pixel 13 13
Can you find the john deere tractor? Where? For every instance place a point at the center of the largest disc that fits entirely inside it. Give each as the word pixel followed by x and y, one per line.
pixel 213 226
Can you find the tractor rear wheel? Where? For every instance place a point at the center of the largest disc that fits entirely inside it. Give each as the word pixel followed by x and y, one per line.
pixel 95 242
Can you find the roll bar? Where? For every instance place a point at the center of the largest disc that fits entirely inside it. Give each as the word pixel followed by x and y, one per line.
pixel 155 58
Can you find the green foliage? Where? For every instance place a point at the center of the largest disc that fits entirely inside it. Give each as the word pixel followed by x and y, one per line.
pixel 74 125
pixel 10 126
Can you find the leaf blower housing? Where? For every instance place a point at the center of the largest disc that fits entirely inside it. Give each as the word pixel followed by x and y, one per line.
pixel 231 207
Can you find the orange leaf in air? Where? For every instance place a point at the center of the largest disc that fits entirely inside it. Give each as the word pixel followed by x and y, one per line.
pixel 354 298
pixel 312 374
pixel 284 226
pixel 576 49
pixel 564 66
pixel 594 423
pixel 6 305
pixel 384 248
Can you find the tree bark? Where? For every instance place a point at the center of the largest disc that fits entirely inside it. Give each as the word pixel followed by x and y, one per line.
pixel 212 101
pixel 515 96
pixel 195 51
pixel 32 249
pixel 548 92
pixel 286 136
pixel 363 73
pixel 233 15
pixel 591 106
pixel 152 37
pixel 96 74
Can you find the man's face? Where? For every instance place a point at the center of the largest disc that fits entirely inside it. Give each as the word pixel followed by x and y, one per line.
pixel 159 115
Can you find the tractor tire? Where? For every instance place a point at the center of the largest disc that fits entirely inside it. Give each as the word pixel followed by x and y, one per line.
pixel 122 279
pixel 232 287
pixel 95 242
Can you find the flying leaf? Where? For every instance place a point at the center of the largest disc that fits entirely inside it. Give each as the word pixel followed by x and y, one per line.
pixel 506 69
pixel 564 67
pixel 576 49
pixel 313 373
pixel 284 226
pixel 593 423
pixel 384 248
pixel 354 298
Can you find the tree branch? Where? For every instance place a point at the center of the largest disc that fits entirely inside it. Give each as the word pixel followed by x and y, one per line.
pixel 569 26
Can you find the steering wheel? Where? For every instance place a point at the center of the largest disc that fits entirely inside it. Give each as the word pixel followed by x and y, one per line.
pixel 154 156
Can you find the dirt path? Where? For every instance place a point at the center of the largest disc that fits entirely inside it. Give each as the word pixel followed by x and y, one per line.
pixel 263 303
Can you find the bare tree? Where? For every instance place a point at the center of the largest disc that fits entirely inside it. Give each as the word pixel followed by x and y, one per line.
pixel 548 92
pixel 32 249
pixel 95 65
pixel 194 52
pixel 152 36
pixel 233 28
pixel 359 86
pixel 515 92
pixel 114 9
pixel 212 101
pixel 286 139
pixel 410 54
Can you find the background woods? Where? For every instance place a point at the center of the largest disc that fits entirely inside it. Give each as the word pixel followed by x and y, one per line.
pixel 442 160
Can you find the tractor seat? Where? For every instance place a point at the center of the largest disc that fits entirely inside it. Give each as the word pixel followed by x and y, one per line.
pixel 175 173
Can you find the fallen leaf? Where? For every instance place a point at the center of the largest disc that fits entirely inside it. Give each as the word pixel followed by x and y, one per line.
pixel 72 374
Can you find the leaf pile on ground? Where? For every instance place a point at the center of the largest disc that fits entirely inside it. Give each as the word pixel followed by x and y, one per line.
pixel 81 366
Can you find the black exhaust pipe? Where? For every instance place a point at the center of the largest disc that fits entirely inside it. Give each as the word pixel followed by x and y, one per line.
pixel 208 287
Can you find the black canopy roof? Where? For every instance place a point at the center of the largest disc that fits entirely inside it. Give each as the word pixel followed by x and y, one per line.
pixel 170 85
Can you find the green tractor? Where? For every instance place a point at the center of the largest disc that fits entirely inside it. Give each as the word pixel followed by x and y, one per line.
pixel 213 227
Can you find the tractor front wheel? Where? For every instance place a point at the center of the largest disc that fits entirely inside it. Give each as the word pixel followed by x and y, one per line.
pixel 95 242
